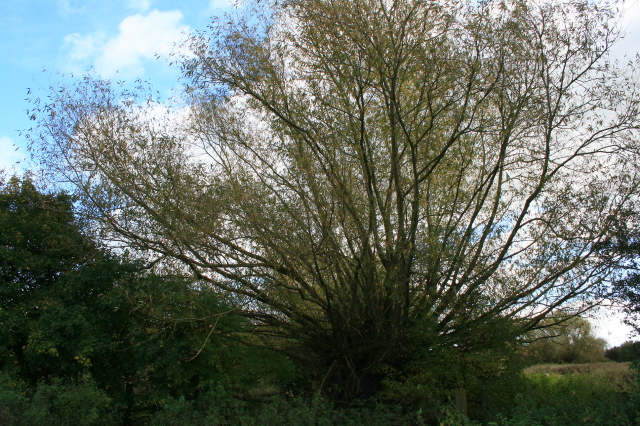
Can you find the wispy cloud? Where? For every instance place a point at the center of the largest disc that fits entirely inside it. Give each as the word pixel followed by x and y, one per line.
pixel 80 48
pixel 140 38
pixel 626 49
pixel 66 8
pixel 11 156
pixel 141 5
pixel 215 5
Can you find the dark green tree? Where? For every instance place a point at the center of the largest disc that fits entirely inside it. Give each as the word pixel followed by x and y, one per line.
pixel 628 351
pixel 40 246
pixel 72 311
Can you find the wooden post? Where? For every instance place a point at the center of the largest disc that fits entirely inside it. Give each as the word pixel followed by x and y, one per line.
pixel 486 407
pixel 461 401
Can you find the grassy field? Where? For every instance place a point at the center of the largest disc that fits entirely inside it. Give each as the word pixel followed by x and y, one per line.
pixel 577 394
pixel 615 368
pixel 604 376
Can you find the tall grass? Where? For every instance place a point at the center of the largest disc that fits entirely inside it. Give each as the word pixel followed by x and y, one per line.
pixel 603 394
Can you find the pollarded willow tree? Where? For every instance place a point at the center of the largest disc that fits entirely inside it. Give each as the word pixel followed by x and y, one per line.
pixel 366 177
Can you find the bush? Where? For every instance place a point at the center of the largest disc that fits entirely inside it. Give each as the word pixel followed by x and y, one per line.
pixel 55 403
pixel 12 401
pixel 217 407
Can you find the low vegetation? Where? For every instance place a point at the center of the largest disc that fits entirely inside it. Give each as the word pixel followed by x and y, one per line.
pixel 586 394
pixel 548 395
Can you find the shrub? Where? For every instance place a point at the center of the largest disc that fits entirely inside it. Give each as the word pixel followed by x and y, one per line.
pixel 56 403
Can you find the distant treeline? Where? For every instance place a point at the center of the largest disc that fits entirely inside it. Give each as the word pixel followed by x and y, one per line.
pixel 626 352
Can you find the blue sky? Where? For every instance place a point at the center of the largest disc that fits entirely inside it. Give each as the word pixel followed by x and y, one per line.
pixel 119 39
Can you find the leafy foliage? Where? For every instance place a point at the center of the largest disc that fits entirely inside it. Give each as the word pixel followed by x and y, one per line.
pixel 42 250
pixel 73 314
pixel 55 404
pixel 571 341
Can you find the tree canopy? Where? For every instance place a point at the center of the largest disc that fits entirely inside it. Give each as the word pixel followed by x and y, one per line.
pixel 365 178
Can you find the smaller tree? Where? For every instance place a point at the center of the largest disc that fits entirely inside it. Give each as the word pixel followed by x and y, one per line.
pixel 71 311
pixel 568 341
pixel 40 245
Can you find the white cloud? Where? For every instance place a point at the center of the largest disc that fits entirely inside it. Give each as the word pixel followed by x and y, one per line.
pixel 627 48
pixel 608 325
pixel 66 8
pixel 140 37
pixel 82 47
pixel 631 10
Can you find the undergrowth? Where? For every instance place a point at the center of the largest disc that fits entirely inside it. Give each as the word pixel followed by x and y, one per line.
pixel 603 395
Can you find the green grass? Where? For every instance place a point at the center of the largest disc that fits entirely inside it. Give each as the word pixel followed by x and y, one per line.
pixel 604 378
pixel 593 368
pixel 603 394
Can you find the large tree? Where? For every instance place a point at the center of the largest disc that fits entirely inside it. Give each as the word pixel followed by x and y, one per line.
pixel 370 177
